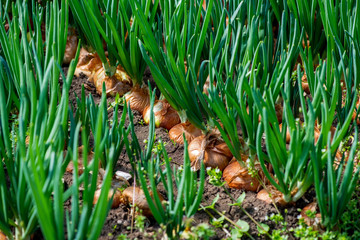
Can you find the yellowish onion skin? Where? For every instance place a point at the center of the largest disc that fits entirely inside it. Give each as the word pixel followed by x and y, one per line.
pixel 116 199
pixel 275 194
pixel 216 153
pixel 165 115
pixel 70 49
pixel 136 195
pixel 238 177
pixel 138 98
pixel 88 64
pixel 190 131
pixel 117 84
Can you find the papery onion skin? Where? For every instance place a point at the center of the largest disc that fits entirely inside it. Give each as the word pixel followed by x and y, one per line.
pixel 275 194
pixel 116 84
pixel 238 177
pixel 70 50
pixel 165 115
pixel 116 199
pixel 216 155
pixel 190 131
pixel 88 64
pixel 138 98
pixel 140 199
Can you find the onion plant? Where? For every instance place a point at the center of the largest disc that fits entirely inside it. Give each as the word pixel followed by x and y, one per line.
pixel 114 23
pixel 292 167
pixel 84 221
pixel 17 209
pixel 188 196
pixel 293 173
pixel 133 148
pixel 232 102
pixel 30 79
pixel 23 46
pixel 307 14
pixel 175 65
pixel 147 166
pixel 343 91
pixel 88 112
pixel 334 187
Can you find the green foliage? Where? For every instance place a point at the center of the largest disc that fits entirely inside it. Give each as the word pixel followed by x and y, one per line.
pixel 114 23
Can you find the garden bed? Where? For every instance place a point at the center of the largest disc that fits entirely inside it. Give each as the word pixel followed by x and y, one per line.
pixel 119 219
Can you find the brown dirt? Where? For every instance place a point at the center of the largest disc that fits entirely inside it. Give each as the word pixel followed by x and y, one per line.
pixel 119 219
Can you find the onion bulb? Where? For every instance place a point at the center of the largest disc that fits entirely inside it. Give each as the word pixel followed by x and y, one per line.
pixel 88 64
pixel 276 195
pixel 135 196
pixel 165 115
pixel 138 98
pixel 211 149
pixel 119 181
pixel 116 199
pixel 238 177
pixel 70 167
pixel 70 49
pixel 190 131
pixel 305 84
pixel 119 83
pixel 315 222
pixel 2 236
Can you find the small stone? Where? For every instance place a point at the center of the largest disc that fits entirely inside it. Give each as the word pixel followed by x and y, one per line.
pixel 120 175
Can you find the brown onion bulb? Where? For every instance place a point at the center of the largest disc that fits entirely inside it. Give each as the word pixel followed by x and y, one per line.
pixel 309 221
pixel 70 166
pixel 88 64
pixel 70 49
pixel 2 236
pixel 214 152
pixel 116 199
pixel 138 98
pixel 136 195
pixel 190 131
pixel 117 84
pixel 305 84
pixel 165 115
pixel 238 177
pixel 275 194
